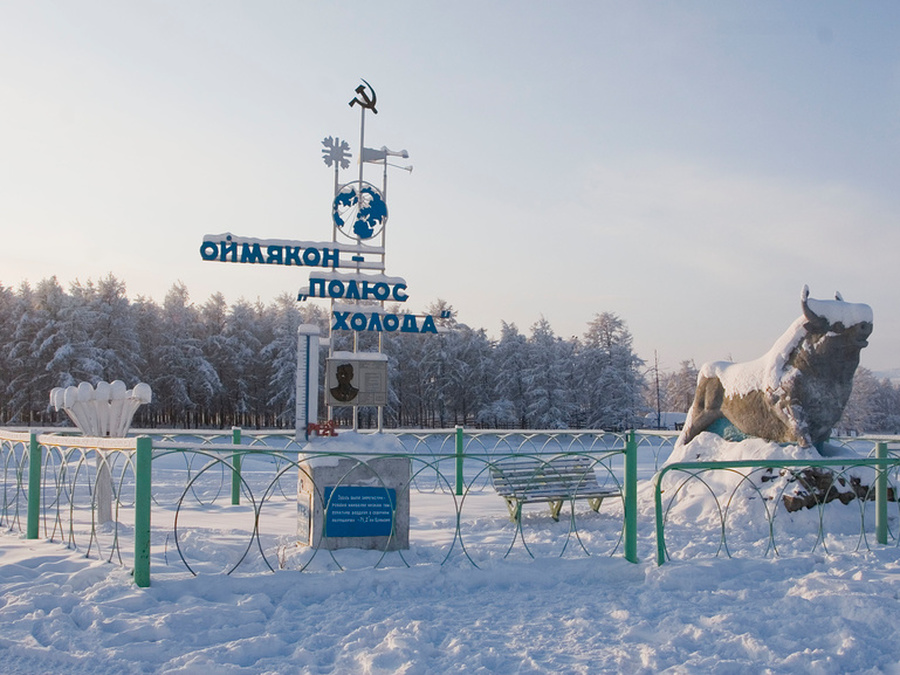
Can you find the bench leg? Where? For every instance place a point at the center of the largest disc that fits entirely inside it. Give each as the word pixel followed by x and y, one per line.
pixel 555 507
pixel 515 509
pixel 595 503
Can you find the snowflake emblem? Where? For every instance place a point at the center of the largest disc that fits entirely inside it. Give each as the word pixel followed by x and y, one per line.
pixel 336 152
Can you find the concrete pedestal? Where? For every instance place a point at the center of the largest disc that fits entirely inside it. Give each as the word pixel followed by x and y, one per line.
pixel 345 502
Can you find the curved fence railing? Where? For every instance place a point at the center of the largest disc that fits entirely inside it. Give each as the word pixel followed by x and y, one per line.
pixel 770 507
pixel 228 502
pixel 655 446
pixel 232 506
pixel 72 489
pixel 470 525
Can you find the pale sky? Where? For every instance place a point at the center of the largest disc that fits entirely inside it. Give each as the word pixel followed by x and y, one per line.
pixel 688 166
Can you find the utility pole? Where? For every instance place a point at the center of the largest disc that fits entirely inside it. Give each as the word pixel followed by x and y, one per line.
pixel 658 405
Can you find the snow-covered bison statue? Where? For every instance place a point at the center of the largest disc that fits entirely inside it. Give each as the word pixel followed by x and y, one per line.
pixel 796 393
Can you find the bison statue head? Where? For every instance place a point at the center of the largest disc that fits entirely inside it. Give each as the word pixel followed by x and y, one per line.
pixel 797 392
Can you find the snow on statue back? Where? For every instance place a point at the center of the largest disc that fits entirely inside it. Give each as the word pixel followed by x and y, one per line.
pixel 796 393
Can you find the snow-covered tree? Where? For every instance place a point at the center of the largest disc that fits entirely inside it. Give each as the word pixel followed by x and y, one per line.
pixel 11 310
pixel 548 378
pixel 148 321
pixel 468 372
pixel 679 387
pixel 281 353
pixel 610 378
pixel 406 380
pixel 220 365
pixel 186 381
pixel 113 332
pixel 873 407
pixel 213 319
pixel 508 406
pixel 242 346
pixel 38 339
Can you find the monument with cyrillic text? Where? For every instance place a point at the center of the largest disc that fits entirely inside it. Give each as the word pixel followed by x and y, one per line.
pixel 356 502
pixel 349 271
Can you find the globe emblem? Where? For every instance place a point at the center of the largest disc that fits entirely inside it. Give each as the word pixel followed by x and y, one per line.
pixel 359 210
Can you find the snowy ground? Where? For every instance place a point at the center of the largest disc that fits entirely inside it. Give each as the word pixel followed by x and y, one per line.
pixel 821 612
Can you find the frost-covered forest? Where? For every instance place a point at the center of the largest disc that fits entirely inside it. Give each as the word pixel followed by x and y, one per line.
pixel 214 365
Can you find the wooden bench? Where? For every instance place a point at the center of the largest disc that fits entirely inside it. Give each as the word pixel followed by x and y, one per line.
pixel 555 481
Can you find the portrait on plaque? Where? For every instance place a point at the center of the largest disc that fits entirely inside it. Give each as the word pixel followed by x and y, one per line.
pixel 356 379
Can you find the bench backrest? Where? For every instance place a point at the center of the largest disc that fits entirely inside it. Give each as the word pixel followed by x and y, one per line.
pixel 566 475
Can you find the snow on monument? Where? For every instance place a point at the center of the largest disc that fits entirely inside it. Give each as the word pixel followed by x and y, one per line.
pixel 797 392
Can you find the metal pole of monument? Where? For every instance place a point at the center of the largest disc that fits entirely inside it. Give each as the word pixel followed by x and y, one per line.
pixel 384 227
pixel 362 137
pixel 383 266
pixel 362 144
pixel 337 185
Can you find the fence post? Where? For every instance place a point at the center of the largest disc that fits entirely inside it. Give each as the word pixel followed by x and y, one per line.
pixel 34 487
pixel 631 498
pixel 236 471
pixel 657 509
pixel 143 468
pixel 459 461
pixel 881 519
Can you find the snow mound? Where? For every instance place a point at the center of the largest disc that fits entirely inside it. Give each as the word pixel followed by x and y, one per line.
pixel 758 510
pixel 709 447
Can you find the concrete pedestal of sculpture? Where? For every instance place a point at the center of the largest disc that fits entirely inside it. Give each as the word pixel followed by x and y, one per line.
pixel 347 500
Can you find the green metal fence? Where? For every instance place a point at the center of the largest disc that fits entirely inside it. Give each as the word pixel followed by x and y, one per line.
pixel 775 494
pixel 89 493
pixel 98 495
pixel 226 502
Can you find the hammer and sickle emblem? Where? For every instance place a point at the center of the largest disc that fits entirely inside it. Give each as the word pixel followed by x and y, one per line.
pixel 363 97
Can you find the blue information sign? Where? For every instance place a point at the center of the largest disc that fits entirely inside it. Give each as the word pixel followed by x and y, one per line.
pixel 357 511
